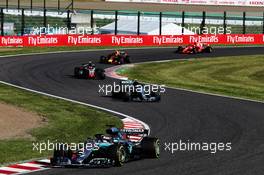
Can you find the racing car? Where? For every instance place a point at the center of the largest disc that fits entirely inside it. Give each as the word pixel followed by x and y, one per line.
pixel 89 71
pixel 195 48
pixel 113 149
pixel 131 90
pixel 117 57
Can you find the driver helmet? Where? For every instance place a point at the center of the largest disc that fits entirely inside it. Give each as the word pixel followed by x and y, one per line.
pixel 135 83
pixel 117 52
pixel 90 63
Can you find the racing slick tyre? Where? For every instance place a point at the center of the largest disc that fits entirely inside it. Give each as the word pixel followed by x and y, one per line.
pixel 194 51
pixel 208 49
pixel 150 147
pixel 127 60
pixel 59 155
pixel 127 96
pixel 179 50
pixel 156 95
pixel 77 72
pixel 103 59
pixel 118 154
pixel 54 159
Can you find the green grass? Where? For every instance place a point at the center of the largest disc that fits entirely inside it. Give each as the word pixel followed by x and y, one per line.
pixel 240 76
pixel 28 50
pixel 67 122
pixel 4 51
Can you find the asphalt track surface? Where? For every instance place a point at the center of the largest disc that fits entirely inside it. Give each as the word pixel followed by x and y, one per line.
pixel 180 114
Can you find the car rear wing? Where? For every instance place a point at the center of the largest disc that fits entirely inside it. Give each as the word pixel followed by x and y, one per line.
pixel 135 131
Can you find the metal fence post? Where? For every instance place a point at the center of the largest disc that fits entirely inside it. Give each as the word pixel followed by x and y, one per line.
pixel 44 5
pixel 18 4
pixel 31 5
pixel 92 22
pixel 23 22
pixel 45 18
pixel 72 5
pixel 116 14
pixel 2 21
pixel 58 5
pixel 203 23
pixel 183 22
pixel 224 22
pixel 138 23
pixel 160 23
pixel 7 4
pixel 68 20
pixel 244 22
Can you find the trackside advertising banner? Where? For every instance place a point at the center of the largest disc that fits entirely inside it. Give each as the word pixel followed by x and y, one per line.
pixel 128 40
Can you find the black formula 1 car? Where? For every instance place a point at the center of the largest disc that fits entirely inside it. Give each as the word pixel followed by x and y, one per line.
pixel 131 90
pixel 117 57
pixel 195 48
pixel 113 149
pixel 89 71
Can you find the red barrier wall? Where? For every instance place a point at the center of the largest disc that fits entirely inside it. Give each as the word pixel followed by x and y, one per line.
pixel 128 40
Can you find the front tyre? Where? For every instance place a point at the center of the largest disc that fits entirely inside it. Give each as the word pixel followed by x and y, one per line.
pixel 118 154
pixel 150 147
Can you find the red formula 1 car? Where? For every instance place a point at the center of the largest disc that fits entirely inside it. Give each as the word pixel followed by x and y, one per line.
pixel 117 57
pixel 89 71
pixel 195 48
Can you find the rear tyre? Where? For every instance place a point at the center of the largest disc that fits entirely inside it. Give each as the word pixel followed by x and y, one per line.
pixel 127 96
pixel 194 51
pixel 76 72
pixel 127 60
pixel 179 50
pixel 156 95
pixel 150 147
pixel 208 49
pixel 59 155
pixel 54 159
pixel 102 59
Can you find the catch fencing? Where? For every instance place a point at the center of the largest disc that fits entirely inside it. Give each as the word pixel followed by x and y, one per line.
pixel 24 21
